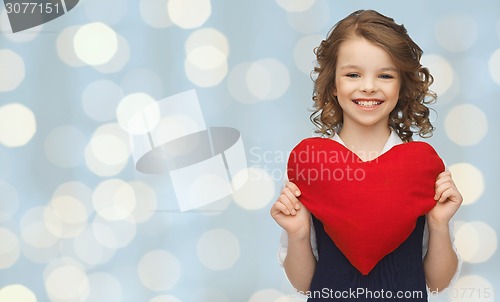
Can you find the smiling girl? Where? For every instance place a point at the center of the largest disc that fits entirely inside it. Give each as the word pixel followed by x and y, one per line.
pixel 371 94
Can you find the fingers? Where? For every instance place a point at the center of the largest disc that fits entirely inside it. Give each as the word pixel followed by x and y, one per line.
pixel 293 188
pixel 444 191
pixel 444 195
pixel 443 177
pixel 440 189
pixel 443 181
pixel 287 202
pixel 446 188
pixel 291 197
pixel 278 208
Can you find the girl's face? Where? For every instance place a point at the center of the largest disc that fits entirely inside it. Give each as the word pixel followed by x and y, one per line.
pixel 367 83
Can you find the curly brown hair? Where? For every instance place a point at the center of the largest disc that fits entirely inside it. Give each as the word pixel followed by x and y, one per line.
pixel 411 114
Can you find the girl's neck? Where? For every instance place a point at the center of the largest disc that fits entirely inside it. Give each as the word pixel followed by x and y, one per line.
pixel 366 142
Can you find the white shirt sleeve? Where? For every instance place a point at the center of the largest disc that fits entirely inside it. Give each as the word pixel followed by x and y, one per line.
pixel 425 246
pixel 283 249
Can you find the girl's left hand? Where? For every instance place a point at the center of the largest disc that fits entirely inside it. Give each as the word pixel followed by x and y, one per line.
pixel 448 200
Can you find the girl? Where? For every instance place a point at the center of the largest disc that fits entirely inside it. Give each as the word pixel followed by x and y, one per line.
pixel 370 95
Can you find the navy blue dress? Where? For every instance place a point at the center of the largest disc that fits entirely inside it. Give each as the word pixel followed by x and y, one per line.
pixel 399 276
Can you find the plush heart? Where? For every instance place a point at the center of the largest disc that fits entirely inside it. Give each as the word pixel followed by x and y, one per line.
pixel 367 208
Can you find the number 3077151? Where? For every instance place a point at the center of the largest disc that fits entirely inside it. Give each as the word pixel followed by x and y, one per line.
pixel 472 293
pixel 32 8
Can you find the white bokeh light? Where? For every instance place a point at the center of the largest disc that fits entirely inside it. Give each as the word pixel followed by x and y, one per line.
pixel 12 70
pixel 9 249
pixel 69 209
pixel 77 190
pixel 89 250
pixel 472 288
pixel 132 104
pixel 114 234
pixel 456 32
pixel 65 216
pixel 65 49
pixel 476 241
pixel 206 57
pixel 442 72
pixel 167 129
pixel 119 59
pixel 155 13
pixel 466 125
pixel 17 125
pixel 40 255
pixel 64 146
pixel 114 199
pixel 257 191
pixel 469 180
pixel 165 298
pixel 207 50
pixel 207 37
pixel 267 295
pixel 148 204
pixel 34 231
pixel 17 292
pixel 37 235
pixel 67 282
pixel 99 168
pixel 208 294
pixel 159 270
pixel 218 249
pixel 189 13
pixel 100 99
pixel 268 79
pixel 295 5
pixel 303 54
pixel 494 66
pixel 95 43
pixel 108 150
pixel 104 287
pixel 9 201
pixel 205 77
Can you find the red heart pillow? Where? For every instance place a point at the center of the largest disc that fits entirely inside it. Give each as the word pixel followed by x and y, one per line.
pixel 367 208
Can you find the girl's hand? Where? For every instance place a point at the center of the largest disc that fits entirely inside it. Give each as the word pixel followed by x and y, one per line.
pixel 289 212
pixel 448 200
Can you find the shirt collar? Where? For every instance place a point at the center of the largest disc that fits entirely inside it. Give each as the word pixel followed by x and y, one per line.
pixel 392 141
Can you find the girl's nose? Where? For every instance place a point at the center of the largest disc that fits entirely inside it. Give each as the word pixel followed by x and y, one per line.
pixel 368 86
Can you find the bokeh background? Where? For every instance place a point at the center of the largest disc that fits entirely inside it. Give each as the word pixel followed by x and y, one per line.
pixel 79 223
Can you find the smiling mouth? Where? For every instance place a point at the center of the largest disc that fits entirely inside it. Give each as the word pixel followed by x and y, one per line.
pixel 368 103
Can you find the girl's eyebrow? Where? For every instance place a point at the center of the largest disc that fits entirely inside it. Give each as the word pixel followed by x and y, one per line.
pixel 349 67
pixel 390 68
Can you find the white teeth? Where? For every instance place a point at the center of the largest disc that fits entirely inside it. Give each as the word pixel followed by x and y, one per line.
pixel 368 103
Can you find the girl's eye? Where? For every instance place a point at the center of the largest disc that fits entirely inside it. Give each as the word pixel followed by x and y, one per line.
pixel 352 75
pixel 386 76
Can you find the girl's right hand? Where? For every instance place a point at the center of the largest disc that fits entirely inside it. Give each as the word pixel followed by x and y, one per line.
pixel 289 212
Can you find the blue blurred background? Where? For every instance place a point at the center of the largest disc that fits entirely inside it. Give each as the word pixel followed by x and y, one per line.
pixel 79 223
